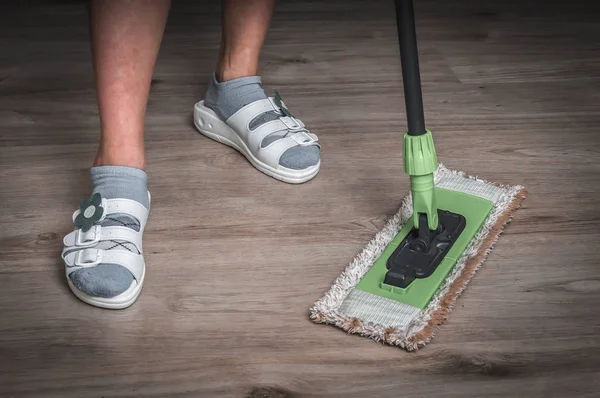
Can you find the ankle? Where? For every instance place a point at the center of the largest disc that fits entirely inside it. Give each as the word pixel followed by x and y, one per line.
pixel 229 69
pixel 116 156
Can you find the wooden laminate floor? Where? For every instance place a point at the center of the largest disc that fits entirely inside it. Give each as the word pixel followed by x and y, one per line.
pixel 236 259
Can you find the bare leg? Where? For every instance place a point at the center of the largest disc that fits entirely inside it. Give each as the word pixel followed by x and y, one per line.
pixel 126 37
pixel 245 25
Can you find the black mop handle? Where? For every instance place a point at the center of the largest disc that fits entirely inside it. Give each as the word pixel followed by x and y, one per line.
pixel 409 57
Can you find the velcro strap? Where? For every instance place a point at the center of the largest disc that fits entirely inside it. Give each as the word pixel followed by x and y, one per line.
pixel 242 118
pixel 120 205
pixel 128 206
pixel 97 233
pixel 304 138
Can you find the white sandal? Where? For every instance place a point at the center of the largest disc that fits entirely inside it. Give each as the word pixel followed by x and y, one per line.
pixel 80 246
pixel 235 132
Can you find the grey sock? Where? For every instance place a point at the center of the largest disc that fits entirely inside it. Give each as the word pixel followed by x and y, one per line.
pixel 121 182
pixel 226 98
pixel 110 280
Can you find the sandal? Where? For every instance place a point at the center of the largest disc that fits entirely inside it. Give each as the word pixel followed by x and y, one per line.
pixel 237 133
pixel 80 246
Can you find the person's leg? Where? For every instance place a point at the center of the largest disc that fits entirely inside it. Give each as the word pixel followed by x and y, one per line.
pixel 244 28
pixel 235 82
pixel 125 39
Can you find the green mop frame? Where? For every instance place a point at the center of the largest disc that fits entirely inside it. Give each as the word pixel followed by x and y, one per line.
pixel 420 162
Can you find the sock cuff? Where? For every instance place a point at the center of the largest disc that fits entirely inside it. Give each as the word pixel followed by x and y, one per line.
pixel 98 171
pixel 121 182
pixel 234 83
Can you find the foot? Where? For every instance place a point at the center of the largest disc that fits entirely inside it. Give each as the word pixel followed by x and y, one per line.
pixel 239 113
pixel 103 255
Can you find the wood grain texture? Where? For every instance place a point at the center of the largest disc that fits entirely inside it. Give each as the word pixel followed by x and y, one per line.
pixel 235 258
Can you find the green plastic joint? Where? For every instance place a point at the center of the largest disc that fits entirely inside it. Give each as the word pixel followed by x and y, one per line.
pixel 420 162
pixel 419 154
pixel 423 195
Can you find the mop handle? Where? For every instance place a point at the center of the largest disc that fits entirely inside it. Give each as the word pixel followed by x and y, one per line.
pixel 409 57
pixel 418 152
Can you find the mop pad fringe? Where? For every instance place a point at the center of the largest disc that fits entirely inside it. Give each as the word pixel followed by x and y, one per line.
pixel 420 328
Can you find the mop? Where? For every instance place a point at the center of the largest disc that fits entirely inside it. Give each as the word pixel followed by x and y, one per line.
pixel 402 286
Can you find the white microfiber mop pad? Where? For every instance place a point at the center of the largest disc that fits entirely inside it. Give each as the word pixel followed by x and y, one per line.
pixel 395 323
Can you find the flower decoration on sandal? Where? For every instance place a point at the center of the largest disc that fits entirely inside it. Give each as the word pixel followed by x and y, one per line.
pixel 279 102
pixel 90 211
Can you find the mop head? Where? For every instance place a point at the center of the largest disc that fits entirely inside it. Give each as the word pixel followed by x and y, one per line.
pixel 400 324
